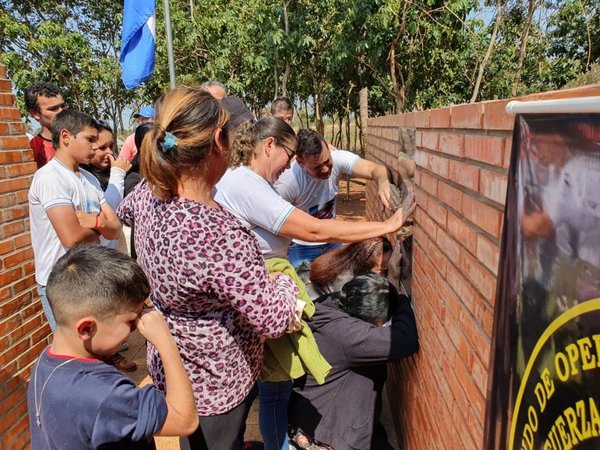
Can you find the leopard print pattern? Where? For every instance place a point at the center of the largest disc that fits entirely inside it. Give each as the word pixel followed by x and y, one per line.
pixel 209 280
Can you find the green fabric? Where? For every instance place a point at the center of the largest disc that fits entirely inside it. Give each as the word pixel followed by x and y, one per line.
pixel 292 355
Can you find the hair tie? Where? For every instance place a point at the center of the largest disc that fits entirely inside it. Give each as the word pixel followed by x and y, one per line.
pixel 169 142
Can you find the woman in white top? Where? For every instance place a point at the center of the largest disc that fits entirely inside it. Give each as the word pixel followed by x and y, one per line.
pixel 261 152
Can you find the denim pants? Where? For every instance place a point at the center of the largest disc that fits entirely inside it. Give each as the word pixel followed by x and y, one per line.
pixel 299 253
pixel 274 398
pixel 46 305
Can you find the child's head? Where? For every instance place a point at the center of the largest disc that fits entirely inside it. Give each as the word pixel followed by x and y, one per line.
pixel 95 290
pixel 366 297
pixel 76 133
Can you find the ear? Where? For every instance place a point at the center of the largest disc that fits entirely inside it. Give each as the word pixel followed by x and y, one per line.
pixel 35 114
pixel 86 328
pixel 65 137
pixel 220 146
pixel 268 145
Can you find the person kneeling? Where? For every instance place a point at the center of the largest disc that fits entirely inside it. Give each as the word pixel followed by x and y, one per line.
pixel 358 331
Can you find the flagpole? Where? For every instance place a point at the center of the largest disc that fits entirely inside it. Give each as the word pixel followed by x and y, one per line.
pixel 169 44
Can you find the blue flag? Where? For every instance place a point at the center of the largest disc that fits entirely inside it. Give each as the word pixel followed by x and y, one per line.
pixel 137 42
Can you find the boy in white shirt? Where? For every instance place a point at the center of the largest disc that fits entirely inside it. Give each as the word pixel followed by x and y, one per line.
pixel 66 204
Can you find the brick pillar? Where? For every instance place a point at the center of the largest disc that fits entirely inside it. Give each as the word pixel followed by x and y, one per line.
pixel 24 331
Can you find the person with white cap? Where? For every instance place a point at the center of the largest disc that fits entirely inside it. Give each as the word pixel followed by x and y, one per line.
pixel 128 149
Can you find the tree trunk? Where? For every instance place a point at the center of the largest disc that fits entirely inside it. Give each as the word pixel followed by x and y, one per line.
pixel 288 69
pixel 488 53
pixel 363 96
pixel 533 5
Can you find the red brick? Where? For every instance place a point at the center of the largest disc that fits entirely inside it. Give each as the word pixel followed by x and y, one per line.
pixel 493 186
pixel 467 116
pixel 6 247
pixel 10 157
pixel 450 195
pixel 21 241
pixel 10 276
pixel 17 170
pixel 437 212
pixel 429 140
pixel 14 185
pixel 464 174
pixel 487 149
pixel 5 86
pixel 422 119
pixel 495 116
pixel 16 128
pixel 408 120
pixel 439 118
pixel 507 153
pixel 428 183
pixel 17 257
pixel 462 232
pixel 439 165
pixel 452 144
pixel 488 253
pixel 7 99
pixel 422 158
pixel 11 229
pixel 9 113
pixel 481 278
pixel 484 216
pixel 15 213
pixel 2 71
pixel 449 246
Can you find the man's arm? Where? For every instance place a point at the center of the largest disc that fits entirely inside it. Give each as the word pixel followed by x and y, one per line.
pixel 67 227
pixel 376 172
pixel 106 223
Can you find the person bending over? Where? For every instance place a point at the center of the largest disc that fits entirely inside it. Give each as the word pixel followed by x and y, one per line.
pixel 312 185
pixel 351 331
pixel 75 400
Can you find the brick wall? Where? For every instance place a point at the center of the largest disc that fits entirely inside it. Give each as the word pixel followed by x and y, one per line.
pixel 462 155
pixel 24 331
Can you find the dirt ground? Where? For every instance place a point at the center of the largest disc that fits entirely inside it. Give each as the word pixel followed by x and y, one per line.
pixel 351 205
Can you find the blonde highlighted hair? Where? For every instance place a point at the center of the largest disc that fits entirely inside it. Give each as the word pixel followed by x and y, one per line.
pixel 192 117
pixel 249 134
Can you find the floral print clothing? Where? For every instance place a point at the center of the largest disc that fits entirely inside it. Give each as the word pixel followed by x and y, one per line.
pixel 209 280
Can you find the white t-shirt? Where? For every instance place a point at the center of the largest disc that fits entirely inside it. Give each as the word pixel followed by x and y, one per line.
pixel 255 203
pixel 56 185
pixel 313 195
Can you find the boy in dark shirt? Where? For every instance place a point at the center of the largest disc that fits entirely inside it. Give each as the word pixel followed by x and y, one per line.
pixel 75 400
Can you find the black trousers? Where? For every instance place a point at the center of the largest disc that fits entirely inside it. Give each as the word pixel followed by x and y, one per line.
pixel 225 431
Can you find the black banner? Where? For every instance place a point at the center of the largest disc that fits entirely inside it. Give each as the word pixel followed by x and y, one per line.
pixel 544 385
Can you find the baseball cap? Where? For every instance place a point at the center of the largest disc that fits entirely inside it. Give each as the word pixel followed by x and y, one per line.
pixel 238 110
pixel 146 112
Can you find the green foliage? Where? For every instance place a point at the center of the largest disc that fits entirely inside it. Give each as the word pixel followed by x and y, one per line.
pixel 411 54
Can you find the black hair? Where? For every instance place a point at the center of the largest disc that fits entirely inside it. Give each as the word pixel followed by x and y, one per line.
pixel 104 126
pixel 250 133
pixel 366 297
pixel 310 143
pixel 33 91
pixel 140 132
pixel 72 121
pixel 281 104
pixel 97 281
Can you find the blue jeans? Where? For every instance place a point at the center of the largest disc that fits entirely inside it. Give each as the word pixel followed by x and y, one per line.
pixel 274 398
pixel 46 305
pixel 299 253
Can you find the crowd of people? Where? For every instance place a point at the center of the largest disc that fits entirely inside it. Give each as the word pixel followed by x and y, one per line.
pixel 224 211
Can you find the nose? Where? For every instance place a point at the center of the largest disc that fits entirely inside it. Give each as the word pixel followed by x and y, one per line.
pixel 325 169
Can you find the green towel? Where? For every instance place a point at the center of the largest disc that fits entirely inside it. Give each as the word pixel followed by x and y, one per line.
pixel 292 355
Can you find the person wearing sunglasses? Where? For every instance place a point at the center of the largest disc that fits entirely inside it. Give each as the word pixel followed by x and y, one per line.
pixel 261 152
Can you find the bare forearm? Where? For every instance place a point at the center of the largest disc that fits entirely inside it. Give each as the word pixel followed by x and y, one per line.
pixel 341 231
pixel 180 396
pixel 109 228
pixel 81 236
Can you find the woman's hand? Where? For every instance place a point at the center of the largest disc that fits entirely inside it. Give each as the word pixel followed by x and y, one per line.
pixel 87 220
pixel 120 163
pixel 399 218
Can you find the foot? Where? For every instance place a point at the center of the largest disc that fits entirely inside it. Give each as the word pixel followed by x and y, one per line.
pixel 119 362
